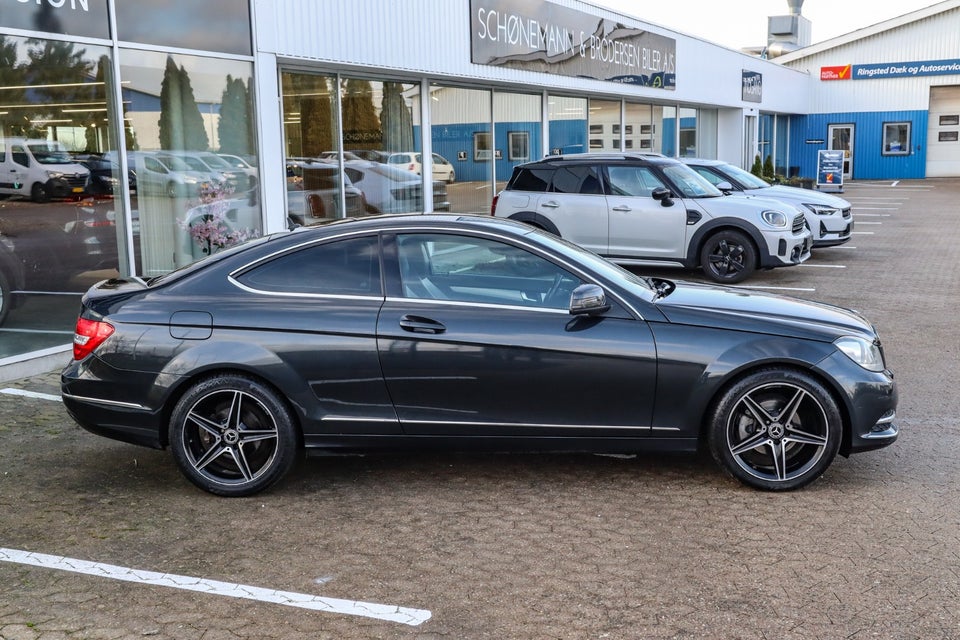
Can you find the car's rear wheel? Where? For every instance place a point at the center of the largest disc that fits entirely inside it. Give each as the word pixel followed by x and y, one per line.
pixel 232 435
pixel 728 257
pixel 776 429
pixel 6 297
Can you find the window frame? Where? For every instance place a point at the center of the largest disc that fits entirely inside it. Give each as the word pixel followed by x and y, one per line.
pixel 884 145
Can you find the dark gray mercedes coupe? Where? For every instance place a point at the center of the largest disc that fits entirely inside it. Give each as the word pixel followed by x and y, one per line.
pixel 450 331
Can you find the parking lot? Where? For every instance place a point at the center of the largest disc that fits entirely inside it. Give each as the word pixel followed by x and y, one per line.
pixel 100 539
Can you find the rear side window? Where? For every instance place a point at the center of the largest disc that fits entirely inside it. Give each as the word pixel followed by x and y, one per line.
pixel 525 179
pixel 577 179
pixel 342 267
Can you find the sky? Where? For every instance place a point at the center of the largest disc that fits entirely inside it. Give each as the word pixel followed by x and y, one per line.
pixel 743 23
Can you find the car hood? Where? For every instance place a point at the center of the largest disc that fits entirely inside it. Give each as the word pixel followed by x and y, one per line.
pixel 745 310
pixel 798 195
pixel 735 204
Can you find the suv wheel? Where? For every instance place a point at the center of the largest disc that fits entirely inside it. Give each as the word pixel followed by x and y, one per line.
pixel 728 257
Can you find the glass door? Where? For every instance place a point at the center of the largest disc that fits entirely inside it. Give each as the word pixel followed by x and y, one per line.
pixel 840 138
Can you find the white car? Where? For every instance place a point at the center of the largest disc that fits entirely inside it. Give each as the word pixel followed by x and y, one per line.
pixel 638 209
pixel 830 217
pixel 413 161
pixel 389 189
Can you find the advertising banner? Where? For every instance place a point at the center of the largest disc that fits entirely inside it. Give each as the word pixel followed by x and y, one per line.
pixel 536 35
pixel 830 169
pixel 891 70
pixel 752 86
pixel 86 18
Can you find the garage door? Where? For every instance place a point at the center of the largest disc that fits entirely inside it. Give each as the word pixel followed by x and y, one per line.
pixel 943 134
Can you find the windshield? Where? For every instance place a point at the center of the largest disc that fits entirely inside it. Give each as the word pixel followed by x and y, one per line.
pixel 747 179
pixel 174 163
pixel 690 183
pixel 50 154
pixel 215 162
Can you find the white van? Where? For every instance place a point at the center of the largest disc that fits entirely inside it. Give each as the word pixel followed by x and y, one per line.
pixel 40 169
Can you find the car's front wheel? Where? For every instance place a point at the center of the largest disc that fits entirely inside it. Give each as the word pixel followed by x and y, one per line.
pixel 232 435
pixel 775 429
pixel 728 257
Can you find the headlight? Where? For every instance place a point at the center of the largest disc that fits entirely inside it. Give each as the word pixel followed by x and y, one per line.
pixel 775 219
pixel 822 209
pixel 53 175
pixel 864 352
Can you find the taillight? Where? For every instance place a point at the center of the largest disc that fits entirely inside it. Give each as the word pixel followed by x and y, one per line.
pixel 493 205
pixel 89 335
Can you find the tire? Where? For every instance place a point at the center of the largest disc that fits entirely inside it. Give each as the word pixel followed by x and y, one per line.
pixel 728 257
pixel 232 436
pixel 775 429
pixel 451 177
pixel 39 193
pixel 6 297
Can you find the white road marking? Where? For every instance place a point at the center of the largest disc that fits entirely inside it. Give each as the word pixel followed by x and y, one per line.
pixel 873 215
pixel 861 233
pixel 771 288
pixel 389 613
pixel 824 266
pixel 30 394
pixel 865 222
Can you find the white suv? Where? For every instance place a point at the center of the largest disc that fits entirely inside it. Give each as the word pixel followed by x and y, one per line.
pixel 829 216
pixel 638 209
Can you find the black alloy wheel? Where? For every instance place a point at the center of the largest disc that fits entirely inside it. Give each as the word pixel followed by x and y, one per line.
pixel 776 429
pixel 728 257
pixel 232 436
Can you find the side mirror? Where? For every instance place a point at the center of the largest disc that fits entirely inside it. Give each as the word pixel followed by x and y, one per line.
pixel 588 300
pixel 725 186
pixel 663 195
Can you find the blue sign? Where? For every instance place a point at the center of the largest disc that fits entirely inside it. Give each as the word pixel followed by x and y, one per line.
pixel 830 169
pixel 906 69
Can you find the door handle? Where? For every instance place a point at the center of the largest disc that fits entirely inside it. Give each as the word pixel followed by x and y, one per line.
pixel 553 204
pixel 622 207
pixel 417 324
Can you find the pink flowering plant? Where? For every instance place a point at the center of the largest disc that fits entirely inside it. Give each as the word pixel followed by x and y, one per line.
pixel 207 222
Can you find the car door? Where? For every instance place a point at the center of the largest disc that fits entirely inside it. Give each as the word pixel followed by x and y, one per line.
pixel 476 340
pixel 574 203
pixel 641 227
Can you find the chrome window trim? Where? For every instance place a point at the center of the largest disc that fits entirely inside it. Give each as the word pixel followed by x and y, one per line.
pixel 416 229
pixel 480 305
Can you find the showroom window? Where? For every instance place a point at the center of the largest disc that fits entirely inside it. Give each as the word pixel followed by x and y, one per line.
pixel 61 225
pixel 179 109
pixel 567 118
pixel 896 138
pixel 461 133
pixel 374 126
pixel 518 129
pixel 211 25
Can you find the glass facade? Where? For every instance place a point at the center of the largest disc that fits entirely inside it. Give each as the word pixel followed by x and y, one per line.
pixel 129 146
pixel 117 160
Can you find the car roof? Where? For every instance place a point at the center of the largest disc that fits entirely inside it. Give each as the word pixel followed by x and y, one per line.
pixel 453 220
pixel 651 158
pixel 703 162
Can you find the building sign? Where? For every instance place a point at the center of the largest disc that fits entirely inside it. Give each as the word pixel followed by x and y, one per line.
pixel 835 73
pixel 86 18
pixel 892 70
pixel 830 169
pixel 536 35
pixel 752 86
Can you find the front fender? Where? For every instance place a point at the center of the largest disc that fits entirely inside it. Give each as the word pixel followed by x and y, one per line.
pixel 693 371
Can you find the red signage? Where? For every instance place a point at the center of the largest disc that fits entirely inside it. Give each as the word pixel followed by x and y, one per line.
pixel 835 73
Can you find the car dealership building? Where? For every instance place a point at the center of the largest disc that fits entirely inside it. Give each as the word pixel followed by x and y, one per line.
pixel 307 101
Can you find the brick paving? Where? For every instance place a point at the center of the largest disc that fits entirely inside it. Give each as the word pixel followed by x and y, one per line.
pixel 511 546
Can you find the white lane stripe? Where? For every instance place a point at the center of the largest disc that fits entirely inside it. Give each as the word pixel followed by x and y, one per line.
pixel 861 233
pixel 389 613
pixel 866 222
pixel 824 266
pixel 30 394
pixel 770 288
